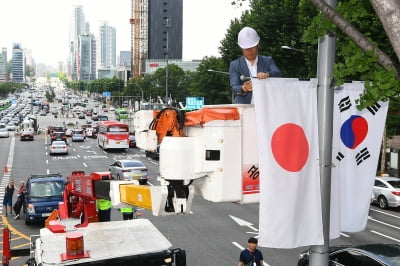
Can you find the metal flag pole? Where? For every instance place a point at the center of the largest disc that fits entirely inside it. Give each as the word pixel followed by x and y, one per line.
pixel 319 255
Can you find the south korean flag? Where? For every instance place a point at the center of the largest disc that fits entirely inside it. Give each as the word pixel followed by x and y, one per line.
pixel 357 138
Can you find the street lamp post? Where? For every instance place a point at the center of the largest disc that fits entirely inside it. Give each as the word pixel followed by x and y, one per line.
pixel 225 73
pixel 167 26
pixel 142 100
pixel 291 48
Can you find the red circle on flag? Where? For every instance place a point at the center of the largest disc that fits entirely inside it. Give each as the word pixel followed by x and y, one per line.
pixel 290 147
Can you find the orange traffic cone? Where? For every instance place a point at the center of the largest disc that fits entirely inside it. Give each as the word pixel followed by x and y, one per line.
pixel 6 169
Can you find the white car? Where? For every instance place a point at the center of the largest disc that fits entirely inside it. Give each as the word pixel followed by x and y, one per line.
pixel 386 191
pixel 10 127
pixel 4 133
pixel 129 170
pixel 58 147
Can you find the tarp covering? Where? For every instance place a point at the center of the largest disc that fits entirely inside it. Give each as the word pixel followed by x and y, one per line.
pixel 205 115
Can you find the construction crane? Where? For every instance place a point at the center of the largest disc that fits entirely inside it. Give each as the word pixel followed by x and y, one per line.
pixel 135 21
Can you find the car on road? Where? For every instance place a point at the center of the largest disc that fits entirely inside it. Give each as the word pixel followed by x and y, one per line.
pixel 10 126
pixel 4 133
pixel 43 194
pixel 68 132
pixel 132 141
pixel 58 147
pixel 26 135
pixel 369 254
pixel 386 191
pixel 91 132
pixel 52 129
pixel 58 136
pixel 78 135
pixel 129 169
pixel 81 116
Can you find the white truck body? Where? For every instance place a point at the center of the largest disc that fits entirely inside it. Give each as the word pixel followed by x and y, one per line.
pixel 102 241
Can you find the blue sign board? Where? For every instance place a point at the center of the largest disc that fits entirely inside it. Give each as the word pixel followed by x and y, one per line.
pixel 194 103
pixel 106 93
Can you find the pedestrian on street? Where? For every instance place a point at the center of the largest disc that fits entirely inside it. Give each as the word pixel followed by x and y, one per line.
pixel 7 201
pixel 20 200
pixel 249 65
pixel 251 256
pixel 128 213
pixel 104 210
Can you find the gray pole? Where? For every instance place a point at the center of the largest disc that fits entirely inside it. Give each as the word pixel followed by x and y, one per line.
pixel 319 255
pixel 167 25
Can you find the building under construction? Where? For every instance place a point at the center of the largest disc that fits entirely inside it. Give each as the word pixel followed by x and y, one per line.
pixel 156 32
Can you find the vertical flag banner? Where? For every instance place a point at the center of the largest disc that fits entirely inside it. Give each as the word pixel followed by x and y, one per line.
pixel 287 133
pixel 357 138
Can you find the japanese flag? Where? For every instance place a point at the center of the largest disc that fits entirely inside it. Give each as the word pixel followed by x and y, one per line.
pixel 287 133
pixel 357 138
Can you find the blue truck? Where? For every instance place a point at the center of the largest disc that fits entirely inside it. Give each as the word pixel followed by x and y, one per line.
pixel 44 192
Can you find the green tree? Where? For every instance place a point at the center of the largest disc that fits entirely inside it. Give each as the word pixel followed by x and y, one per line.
pixel 177 89
pixel 279 23
pixel 213 86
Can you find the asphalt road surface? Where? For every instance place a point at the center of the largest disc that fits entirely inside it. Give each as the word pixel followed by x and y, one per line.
pixel 213 234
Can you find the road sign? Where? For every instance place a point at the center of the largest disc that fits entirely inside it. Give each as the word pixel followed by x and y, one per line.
pixel 106 93
pixel 194 103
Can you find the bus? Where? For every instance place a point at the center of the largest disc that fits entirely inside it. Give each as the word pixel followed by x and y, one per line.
pixel 4 104
pixel 113 135
pixel 45 106
pixel 122 113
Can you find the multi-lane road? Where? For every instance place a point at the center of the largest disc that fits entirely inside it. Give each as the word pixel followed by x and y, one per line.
pixel 213 234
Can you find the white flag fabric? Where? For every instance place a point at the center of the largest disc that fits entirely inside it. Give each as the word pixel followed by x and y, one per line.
pixel 357 138
pixel 287 133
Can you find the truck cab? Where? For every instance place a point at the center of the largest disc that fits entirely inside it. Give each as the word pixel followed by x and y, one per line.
pixel 43 194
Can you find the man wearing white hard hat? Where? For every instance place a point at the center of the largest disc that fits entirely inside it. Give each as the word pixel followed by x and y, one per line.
pixel 250 65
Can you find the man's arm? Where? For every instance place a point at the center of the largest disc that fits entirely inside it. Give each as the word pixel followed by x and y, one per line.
pixel 274 70
pixel 234 77
pixel 240 263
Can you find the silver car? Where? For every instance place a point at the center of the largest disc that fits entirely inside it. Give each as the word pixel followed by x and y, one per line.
pixel 78 135
pixel 129 170
pixel 4 133
pixel 58 147
pixel 386 192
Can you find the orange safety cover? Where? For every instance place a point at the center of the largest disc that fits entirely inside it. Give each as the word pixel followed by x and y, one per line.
pixel 205 115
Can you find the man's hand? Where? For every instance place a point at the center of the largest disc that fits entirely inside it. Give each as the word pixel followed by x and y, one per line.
pixel 262 75
pixel 247 86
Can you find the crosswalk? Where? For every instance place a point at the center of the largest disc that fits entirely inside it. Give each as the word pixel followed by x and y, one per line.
pixel 7 171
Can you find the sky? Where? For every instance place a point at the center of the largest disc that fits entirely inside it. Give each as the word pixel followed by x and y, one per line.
pixel 43 25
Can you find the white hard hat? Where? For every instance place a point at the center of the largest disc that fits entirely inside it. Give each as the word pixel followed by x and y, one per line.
pixel 248 38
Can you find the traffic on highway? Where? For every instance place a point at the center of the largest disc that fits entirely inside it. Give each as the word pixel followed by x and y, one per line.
pixel 212 233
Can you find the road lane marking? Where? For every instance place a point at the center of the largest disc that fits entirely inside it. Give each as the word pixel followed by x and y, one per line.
pixel 6 176
pixel 390 225
pixel 389 237
pixel 345 235
pixel 238 245
pixel 14 230
pixel 84 164
pixel 386 213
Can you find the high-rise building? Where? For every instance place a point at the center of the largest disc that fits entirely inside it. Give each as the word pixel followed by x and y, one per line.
pixel 106 46
pixel 124 58
pixel 165 29
pixel 78 27
pixel 157 30
pixel 3 65
pixel 18 64
pixel 86 63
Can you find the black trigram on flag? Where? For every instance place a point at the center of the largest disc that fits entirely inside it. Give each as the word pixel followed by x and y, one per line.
pixel 344 104
pixel 373 109
pixel 339 156
pixel 362 156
